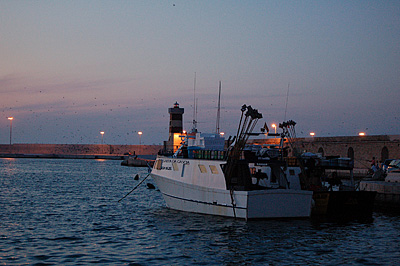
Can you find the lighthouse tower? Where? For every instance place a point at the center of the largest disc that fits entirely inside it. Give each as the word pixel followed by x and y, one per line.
pixel 175 119
pixel 175 127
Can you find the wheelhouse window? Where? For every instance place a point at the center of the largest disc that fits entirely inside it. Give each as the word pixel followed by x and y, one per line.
pixel 214 169
pixel 158 165
pixel 202 168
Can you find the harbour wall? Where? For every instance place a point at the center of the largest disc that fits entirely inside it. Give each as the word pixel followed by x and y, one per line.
pixel 360 148
pixel 90 151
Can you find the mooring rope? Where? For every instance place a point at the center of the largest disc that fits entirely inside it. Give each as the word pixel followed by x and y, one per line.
pixel 135 187
pixel 233 203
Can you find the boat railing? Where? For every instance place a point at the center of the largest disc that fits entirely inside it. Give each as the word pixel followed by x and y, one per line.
pixel 209 154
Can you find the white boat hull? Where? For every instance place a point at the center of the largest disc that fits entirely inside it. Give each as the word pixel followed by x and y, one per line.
pixel 256 204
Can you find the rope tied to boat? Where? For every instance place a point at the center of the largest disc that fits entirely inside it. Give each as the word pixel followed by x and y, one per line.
pixel 233 203
pixel 135 187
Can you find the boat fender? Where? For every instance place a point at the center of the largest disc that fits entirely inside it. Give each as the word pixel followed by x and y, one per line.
pixel 150 186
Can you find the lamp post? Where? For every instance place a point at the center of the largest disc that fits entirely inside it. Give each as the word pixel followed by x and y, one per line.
pixel 140 141
pixel 140 137
pixel 102 134
pixel 274 126
pixel 11 119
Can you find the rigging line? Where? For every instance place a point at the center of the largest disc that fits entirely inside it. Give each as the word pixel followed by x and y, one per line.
pixel 197 104
pixel 194 102
pixel 219 108
pixel 240 122
pixel 287 99
pixel 245 125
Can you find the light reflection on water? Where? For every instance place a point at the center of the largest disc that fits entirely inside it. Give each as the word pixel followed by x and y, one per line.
pixel 67 212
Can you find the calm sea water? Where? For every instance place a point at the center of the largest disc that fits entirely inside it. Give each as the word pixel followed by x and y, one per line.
pixel 67 212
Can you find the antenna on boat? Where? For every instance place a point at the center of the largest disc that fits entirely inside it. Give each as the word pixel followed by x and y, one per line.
pixel 219 108
pixel 194 105
pixel 287 99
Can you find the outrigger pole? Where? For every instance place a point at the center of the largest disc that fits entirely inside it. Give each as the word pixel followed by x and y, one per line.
pixel 246 126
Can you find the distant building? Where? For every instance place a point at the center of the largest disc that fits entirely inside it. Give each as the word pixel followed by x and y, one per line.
pixel 360 148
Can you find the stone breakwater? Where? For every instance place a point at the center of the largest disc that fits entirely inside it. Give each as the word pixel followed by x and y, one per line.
pixel 88 151
pixel 359 148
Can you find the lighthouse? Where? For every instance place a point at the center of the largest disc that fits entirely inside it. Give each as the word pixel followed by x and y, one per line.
pixel 175 127
pixel 175 119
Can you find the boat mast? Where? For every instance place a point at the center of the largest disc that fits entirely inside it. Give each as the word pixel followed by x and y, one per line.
pixel 219 108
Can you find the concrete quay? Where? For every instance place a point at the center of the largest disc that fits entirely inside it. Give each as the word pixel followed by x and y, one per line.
pixel 387 193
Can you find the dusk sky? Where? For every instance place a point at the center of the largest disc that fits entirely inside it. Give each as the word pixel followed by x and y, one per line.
pixel 70 69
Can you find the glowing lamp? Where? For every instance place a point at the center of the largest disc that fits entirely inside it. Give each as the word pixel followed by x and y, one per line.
pixel 274 126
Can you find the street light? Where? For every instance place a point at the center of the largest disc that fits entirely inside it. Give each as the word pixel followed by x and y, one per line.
pixel 274 126
pixel 102 134
pixel 11 119
pixel 361 134
pixel 140 141
pixel 312 134
pixel 140 137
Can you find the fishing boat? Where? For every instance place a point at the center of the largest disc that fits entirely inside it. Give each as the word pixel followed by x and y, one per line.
pixel 210 179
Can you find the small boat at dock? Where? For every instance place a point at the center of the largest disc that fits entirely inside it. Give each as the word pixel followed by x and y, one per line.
pixel 137 162
pixel 387 189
